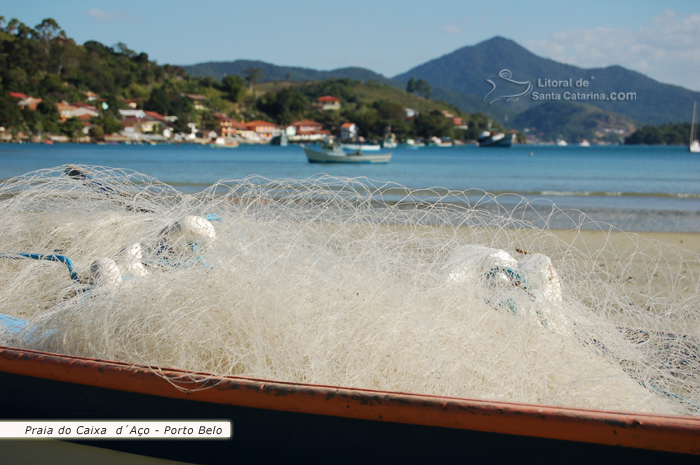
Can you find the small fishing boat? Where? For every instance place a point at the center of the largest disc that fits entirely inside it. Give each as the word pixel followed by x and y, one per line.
pixel 488 139
pixel 330 153
pixel 224 143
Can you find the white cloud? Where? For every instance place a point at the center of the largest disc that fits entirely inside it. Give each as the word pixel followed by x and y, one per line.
pixel 666 49
pixel 451 29
pixel 111 16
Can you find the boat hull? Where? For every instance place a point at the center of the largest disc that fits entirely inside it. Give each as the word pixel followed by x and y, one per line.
pixel 316 156
pixel 274 420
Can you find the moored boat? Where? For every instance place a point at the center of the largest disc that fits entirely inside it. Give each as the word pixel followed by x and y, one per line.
pixel 488 139
pixel 224 143
pixel 334 154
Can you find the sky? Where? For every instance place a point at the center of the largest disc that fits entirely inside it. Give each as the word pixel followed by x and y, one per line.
pixel 659 39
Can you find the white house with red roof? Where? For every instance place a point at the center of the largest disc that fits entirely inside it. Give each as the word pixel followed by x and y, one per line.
pixel 307 130
pixel 348 132
pixel 328 102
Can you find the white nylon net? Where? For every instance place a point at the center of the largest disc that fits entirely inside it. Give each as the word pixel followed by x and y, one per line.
pixel 354 283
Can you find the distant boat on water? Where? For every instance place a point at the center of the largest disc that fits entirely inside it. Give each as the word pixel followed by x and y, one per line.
pixel 330 153
pixel 489 139
pixel 561 143
pixel 694 143
pixel 584 143
pixel 224 143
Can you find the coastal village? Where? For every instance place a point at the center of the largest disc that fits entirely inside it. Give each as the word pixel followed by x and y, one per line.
pixel 145 126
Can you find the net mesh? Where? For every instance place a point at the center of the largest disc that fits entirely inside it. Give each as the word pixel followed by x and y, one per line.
pixel 352 282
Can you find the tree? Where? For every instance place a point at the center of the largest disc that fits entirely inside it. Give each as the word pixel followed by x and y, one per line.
pixel 234 86
pixel 46 32
pixel 422 88
pixel 252 76
pixel 285 106
pixel 72 127
pixel 411 86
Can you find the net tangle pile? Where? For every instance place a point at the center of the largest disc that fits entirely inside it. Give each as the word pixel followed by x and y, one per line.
pixel 349 282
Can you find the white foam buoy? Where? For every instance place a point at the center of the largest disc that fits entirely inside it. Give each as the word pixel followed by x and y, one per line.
pixel 130 260
pixel 541 276
pixel 190 230
pixel 105 272
pixel 469 262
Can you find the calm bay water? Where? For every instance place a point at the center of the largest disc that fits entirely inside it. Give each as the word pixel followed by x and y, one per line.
pixel 635 188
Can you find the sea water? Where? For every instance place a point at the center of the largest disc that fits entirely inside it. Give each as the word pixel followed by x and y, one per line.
pixel 634 188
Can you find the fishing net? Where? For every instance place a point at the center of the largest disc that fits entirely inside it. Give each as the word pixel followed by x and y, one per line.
pixel 351 282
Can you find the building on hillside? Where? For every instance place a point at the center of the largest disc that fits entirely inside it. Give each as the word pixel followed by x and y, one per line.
pixel 134 113
pixel 459 123
pixel 65 110
pixel 30 103
pixel 91 96
pixel 309 131
pixel 144 124
pixel 410 113
pixel 158 116
pixel 225 124
pixel 447 114
pixel 263 129
pixel 348 132
pixel 328 102
pixel 19 95
pixel 198 101
pixel 132 102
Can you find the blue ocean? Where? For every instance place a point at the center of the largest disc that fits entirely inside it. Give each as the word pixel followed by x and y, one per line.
pixel 634 188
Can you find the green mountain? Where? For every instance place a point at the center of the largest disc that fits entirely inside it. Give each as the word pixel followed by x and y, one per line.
pixel 573 122
pixel 466 70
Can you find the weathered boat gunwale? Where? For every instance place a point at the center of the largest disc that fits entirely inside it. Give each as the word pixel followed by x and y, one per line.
pixel 668 433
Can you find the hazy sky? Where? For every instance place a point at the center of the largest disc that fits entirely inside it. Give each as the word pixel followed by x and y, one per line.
pixel 659 39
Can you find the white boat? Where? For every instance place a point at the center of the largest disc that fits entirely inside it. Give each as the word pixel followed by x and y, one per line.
pixel 437 142
pixel 584 143
pixel 224 143
pixel 412 144
pixel 488 139
pixel 561 143
pixel 694 146
pixel 389 143
pixel 335 154
pixel 364 147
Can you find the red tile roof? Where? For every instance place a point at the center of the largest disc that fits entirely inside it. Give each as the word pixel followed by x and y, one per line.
pixel 84 105
pixel 347 125
pixel 328 98
pixel 155 115
pixel 221 117
pixel 18 95
pixel 258 123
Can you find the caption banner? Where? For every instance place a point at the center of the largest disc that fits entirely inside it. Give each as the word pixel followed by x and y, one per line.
pixel 116 429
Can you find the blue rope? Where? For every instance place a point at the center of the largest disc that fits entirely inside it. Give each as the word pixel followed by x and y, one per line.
pixel 52 258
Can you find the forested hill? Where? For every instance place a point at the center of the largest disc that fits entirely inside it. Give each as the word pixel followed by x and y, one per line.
pixel 219 69
pixel 466 70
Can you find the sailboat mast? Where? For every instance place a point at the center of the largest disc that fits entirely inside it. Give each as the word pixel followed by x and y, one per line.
pixel 692 125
